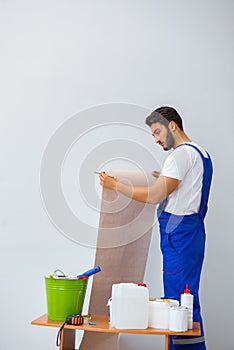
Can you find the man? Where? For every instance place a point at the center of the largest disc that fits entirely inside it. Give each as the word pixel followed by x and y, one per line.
pixel 182 191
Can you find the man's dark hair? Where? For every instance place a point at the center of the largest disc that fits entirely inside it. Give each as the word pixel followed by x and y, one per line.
pixel 164 115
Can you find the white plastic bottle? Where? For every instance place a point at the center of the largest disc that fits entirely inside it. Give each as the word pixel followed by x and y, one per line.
pixel 186 300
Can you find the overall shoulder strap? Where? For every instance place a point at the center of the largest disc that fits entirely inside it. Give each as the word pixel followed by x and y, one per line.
pixel 195 147
pixel 206 182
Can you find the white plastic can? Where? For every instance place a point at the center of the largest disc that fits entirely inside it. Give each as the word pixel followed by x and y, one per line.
pixel 129 306
pixel 159 312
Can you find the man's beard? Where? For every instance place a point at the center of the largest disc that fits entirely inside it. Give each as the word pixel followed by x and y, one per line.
pixel 169 141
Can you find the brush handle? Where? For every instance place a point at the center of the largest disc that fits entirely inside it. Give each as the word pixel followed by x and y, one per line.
pixel 91 271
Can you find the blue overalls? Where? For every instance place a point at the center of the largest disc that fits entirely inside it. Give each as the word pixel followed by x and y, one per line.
pixel 183 245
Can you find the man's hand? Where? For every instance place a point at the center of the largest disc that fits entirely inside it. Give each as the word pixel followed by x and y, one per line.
pixel 107 181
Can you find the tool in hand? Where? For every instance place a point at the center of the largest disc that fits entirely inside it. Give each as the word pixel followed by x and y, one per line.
pixel 99 172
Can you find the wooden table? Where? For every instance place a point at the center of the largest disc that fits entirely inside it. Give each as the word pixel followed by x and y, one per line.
pixel 103 326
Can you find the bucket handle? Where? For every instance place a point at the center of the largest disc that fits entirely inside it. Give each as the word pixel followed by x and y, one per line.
pixel 58 273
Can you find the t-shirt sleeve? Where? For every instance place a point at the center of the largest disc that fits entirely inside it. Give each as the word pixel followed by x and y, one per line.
pixel 177 164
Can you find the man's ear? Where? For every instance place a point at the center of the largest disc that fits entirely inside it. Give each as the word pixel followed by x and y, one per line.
pixel 172 125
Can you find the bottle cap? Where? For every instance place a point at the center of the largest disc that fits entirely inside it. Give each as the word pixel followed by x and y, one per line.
pixel 186 291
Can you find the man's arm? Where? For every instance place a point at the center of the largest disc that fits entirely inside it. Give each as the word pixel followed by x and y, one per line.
pixel 153 194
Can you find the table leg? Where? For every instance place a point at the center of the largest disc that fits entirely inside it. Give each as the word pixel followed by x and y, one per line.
pixel 68 339
pixel 167 342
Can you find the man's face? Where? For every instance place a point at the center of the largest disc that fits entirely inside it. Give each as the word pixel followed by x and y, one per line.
pixel 162 136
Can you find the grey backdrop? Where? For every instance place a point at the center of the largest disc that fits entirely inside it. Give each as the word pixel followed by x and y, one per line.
pixel 60 57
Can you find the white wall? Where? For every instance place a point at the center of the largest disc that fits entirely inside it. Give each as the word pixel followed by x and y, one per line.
pixel 60 57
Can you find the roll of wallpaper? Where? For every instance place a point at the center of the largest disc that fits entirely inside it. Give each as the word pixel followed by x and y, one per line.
pixel 178 320
pixel 124 235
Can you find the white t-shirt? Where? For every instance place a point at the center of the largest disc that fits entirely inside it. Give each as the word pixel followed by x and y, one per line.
pixel 185 164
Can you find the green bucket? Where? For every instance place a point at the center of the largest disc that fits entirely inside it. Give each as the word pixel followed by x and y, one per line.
pixel 64 297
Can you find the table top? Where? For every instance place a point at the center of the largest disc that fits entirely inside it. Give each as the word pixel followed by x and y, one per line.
pixel 103 325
